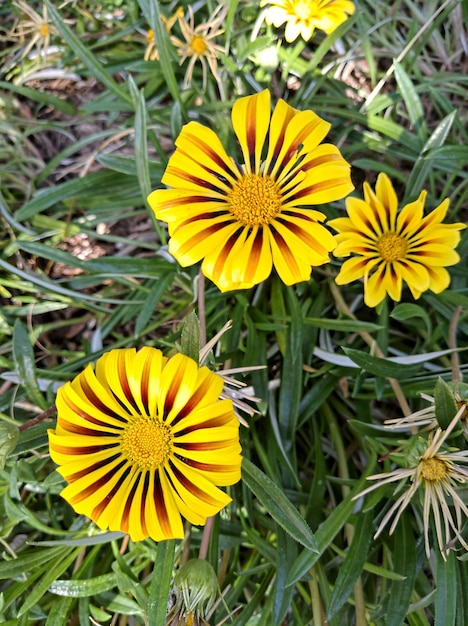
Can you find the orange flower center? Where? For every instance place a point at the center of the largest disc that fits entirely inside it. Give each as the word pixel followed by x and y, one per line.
pixel 149 36
pixel 146 443
pixel 434 469
pixel 198 45
pixel 254 200
pixel 392 247
pixel 44 30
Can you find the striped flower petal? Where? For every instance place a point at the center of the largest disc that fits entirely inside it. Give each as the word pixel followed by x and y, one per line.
pixel 392 247
pixel 226 215
pixel 142 439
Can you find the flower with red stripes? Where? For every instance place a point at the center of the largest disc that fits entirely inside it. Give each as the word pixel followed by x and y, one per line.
pixel 142 440
pixel 244 219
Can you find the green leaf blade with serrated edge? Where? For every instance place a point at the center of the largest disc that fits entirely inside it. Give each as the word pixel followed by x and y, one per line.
pixel 278 505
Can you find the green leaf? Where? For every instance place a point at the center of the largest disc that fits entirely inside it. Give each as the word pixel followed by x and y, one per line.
pixel 23 354
pixel 277 505
pixel 343 325
pixel 9 435
pixel 352 566
pixel 156 293
pixel 84 53
pixel 404 563
pixel 382 367
pixel 84 588
pixel 55 570
pixel 160 583
pixel 445 598
pixel 412 101
pixel 190 337
pixel 40 96
pixel 444 403
pixel 329 529
pixel 29 561
pixel 409 311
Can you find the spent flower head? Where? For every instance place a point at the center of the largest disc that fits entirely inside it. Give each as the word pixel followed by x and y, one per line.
pixel 436 473
pixel 302 17
pixel 151 51
pixel 244 219
pixel 389 247
pixel 195 589
pixel 198 43
pixel 32 29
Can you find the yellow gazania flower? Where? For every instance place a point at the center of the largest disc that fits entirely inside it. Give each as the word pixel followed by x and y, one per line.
pixel 302 17
pixel 143 440
pixel 198 44
pixel 438 473
pixel 245 219
pixel 392 246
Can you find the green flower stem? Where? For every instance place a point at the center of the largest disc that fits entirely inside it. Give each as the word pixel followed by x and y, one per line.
pixel 343 472
pixel 201 307
pixel 205 542
pixel 317 611
pixel 452 344
pixel 343 308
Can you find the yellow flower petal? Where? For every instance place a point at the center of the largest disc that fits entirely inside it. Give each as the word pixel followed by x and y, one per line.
pixel 250 120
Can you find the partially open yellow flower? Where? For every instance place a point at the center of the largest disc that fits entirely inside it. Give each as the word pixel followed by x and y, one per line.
pixel 390 247
pixel 243 219
pixel 142 440
pixel 302 17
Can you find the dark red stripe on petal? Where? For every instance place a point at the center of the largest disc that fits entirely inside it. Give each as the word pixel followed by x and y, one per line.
pixel 194 489
pixel 160 505
pixel 211 154
pixel 321 160
pixel 97 511
pixel 196 398
pixel 83 449
pixel 204 216
pixel 196 180
pixel 224 252
pixel 129 504
pixel 172 391
pixel 220 420
pixel 123 378
pixel 187 200
pixel 208 467
pixel 100 483
pixel 283 246
pixel 318 187
pixel 90 432
pixel 201 446
pixel 92 468
pixel 92 397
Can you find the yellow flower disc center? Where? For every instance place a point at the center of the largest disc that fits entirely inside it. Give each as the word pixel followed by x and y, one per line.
pixel 198 45
pixel 146 443
pixel 149 36
pixel 304 10
pixel 433 469
pixel 392 247
pixel 254 200
pixel 44 30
